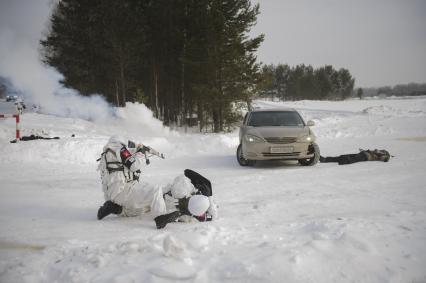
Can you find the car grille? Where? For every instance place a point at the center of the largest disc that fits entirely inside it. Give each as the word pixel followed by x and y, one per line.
pixel 293 154
pixel 281 140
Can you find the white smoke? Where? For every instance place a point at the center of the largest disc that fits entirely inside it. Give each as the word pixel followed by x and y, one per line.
pixel 21 26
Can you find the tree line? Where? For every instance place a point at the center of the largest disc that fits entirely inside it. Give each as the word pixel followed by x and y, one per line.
pixel 182 58
pixel 304 82
pixel 411 89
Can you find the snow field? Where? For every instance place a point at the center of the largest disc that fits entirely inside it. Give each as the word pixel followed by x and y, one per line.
pixel 279 222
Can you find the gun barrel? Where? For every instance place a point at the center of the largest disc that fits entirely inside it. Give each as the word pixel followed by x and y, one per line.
pixel 144 149
pixel 154 152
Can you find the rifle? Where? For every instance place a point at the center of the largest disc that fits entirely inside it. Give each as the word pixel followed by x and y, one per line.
pixel 145 150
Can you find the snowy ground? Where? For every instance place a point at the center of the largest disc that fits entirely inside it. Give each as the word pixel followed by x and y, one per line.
pixel 279 222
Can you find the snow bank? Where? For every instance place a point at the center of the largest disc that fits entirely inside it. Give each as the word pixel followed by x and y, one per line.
pixel 364 222
pixel 360 118
pixel 346 119
pixel 81 141
pixel 394 112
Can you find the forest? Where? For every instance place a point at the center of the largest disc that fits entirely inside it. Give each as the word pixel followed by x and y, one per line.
pixel 192 62
pixel 305 82
pixel 411 89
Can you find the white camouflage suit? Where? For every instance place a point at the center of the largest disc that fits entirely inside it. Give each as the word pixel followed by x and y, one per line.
pixel 138 197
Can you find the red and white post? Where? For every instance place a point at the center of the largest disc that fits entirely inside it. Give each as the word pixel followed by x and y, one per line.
pixel 18 127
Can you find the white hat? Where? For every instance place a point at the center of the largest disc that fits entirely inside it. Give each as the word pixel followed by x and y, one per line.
pixel 198 205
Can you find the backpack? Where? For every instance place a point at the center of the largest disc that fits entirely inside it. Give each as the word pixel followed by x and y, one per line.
pixel 113 161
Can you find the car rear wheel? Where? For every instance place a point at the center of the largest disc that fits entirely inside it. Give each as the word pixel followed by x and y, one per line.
pixel 313 148
pixel 240 158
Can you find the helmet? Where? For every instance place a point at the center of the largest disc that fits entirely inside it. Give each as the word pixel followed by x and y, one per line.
pixel 198 205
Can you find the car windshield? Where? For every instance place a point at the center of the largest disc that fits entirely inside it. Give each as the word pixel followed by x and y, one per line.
pixel 275 118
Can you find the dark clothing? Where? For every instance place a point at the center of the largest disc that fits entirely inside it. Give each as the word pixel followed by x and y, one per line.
pixel 201 183
pixel 363 155
pixel 34 137
pixel 345 158
pixel 162 220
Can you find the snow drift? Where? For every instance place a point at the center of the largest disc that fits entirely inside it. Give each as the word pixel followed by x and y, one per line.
pixel 363 222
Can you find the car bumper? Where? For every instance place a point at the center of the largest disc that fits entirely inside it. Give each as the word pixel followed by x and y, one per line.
pixel 269 151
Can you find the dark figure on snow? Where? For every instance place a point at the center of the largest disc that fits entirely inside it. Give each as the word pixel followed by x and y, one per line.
pixel 363 155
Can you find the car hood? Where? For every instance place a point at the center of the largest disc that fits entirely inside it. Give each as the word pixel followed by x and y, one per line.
pixel 266 132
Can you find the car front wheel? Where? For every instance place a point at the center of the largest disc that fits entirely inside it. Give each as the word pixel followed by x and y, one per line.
pixel 313 148
pixel 240 158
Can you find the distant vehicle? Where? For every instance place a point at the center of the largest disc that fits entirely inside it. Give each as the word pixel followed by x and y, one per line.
pixel 11 98
pixel 276 134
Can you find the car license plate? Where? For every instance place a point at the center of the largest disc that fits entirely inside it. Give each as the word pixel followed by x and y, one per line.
pixel 282 149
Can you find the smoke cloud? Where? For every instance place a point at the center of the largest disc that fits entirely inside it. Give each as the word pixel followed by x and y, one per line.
pixel 21 26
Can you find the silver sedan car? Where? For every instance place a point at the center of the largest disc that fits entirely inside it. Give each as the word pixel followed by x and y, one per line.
pixel 276 134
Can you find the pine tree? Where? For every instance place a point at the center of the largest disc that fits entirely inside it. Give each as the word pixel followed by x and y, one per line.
pixel 181 57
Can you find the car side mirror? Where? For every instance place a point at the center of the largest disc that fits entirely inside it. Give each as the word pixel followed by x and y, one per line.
pixel 310 123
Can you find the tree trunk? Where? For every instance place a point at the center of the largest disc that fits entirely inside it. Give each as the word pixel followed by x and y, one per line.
pixel 183 113
pixel 200 116
pixel 220 113
pixel 157 107
pixel 123 83
pixel 117 96
pixel 216 122
pixel 184 110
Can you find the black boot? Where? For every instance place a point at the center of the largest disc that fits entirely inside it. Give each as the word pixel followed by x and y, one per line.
pixel 109 208
pixel 162 220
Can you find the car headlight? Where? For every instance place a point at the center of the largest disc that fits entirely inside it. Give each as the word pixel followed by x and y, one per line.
pixel 253 139
pixel 307 138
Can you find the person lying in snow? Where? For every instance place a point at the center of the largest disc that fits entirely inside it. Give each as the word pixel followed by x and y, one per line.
pixel 363 155
pixel 34 137
pixel 187 198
